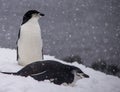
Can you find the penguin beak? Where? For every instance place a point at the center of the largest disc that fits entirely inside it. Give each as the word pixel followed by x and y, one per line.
pixel 41 14
pixel 82 75
pixel 85 76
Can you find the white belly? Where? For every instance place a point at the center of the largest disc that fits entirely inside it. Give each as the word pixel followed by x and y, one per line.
pixel 29 44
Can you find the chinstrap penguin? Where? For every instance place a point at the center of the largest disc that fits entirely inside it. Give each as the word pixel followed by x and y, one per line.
pixel 53 71
pixel 29 43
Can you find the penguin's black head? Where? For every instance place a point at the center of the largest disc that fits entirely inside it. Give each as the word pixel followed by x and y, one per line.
pixel 30 14
pixel 79 74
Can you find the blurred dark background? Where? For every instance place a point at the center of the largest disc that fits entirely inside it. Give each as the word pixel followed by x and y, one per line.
pixel 89 29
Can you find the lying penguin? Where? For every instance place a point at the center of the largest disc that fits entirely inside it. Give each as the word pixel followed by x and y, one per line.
pixel 53 71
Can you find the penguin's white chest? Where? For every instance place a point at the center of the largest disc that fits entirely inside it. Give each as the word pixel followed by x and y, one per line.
pixel 30 43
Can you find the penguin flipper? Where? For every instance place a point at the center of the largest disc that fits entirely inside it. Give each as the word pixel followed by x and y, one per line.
pixel 17 44
pixel 9 73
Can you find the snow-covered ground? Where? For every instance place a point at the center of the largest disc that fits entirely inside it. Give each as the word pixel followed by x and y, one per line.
pixel 98 82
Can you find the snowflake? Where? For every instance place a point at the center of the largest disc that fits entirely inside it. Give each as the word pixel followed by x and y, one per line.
pixel 105 50
pixel 77 9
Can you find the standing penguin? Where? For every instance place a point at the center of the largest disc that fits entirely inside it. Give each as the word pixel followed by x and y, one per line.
pixel 29 44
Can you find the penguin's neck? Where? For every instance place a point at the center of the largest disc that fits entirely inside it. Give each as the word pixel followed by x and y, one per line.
pixel 31 24
pixel 31 28
pixel 32 21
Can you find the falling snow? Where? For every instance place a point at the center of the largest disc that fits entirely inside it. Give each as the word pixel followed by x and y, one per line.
pixel 90 29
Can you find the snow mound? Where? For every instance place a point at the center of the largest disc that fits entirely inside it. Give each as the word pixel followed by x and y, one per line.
pixel 98 82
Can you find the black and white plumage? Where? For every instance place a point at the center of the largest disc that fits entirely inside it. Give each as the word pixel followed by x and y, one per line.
pixel 29 44
pixel 54 71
